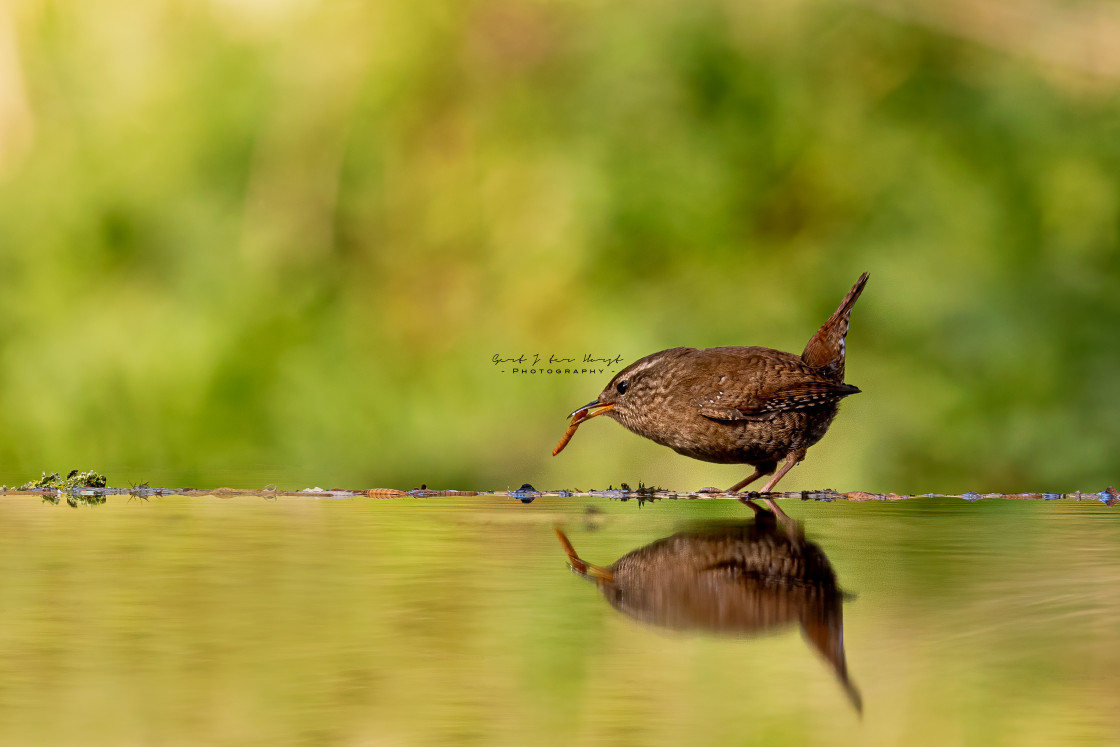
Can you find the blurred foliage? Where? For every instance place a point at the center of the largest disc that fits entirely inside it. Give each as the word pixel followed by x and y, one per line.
pixel 255 242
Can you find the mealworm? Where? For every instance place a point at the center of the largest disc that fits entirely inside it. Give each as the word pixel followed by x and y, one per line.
pixel 576 420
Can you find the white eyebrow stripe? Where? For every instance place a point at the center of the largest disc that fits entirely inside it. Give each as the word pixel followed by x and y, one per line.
pixel 640 367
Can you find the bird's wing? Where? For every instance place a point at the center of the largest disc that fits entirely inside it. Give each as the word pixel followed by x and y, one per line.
pixel 775 395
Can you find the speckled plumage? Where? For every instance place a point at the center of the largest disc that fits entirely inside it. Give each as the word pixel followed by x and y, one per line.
pixel 734 405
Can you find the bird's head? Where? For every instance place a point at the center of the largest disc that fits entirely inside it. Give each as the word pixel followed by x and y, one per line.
pixel 630 397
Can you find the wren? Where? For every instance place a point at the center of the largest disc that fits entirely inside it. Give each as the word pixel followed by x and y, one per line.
pixel 733 405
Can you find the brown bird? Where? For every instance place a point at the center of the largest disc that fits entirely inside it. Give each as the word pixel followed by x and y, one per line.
pixel 733 405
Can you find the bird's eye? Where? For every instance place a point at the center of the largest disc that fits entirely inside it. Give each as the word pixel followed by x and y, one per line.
pixel 622 386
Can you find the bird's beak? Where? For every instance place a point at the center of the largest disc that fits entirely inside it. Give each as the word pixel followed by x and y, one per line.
pixel 596 405
pixel 590 410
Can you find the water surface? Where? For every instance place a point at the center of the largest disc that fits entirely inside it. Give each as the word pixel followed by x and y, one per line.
pixel 458 621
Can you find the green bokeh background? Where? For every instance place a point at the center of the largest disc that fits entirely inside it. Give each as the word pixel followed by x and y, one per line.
pixel 279 242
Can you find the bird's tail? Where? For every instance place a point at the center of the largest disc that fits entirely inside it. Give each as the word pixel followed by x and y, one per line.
pixel 825 350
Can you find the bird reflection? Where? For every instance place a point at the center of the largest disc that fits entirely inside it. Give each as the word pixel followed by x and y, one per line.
pixel 746 578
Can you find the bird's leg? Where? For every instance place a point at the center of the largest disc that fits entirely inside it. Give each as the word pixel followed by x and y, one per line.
pixel 758 472
pixel 791 461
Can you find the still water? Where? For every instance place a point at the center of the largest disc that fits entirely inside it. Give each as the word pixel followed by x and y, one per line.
pixel 460 621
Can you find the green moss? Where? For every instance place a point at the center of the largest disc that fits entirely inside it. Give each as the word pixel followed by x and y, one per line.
pixel 75 479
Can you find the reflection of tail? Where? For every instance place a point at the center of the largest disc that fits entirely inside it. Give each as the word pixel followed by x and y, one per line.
pixel 582 567
pixel 828 640
pixel 825 350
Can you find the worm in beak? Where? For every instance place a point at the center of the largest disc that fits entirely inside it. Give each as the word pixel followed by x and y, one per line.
pixel 588 411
